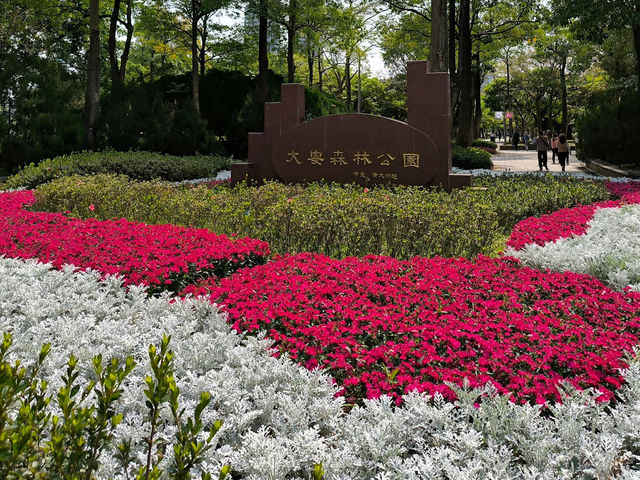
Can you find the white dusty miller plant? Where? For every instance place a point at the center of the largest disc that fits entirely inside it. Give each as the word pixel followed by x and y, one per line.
pixel 609 250
pixel 280 420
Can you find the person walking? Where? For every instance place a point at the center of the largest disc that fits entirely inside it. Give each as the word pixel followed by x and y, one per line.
pixel 525 139
pixel 542 145
pixel 515 139
pixel 554 148
pixel 563 151
pixel 492 137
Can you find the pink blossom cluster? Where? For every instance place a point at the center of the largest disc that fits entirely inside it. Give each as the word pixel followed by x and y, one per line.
pixel 153 255
pixel 385 326
pixel 620 189
pixel 563 223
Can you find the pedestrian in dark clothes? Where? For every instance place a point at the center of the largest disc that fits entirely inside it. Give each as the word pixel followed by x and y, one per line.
pixel 542 145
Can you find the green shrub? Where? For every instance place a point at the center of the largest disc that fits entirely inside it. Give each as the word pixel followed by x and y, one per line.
pixel 136 165
pixel 337 220
pixel 36 444
pixel 608 132
pixel 470 158
pixel 517 197
pixel 480 142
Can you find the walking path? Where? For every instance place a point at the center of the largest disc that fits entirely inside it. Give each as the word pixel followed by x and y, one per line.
pixel 527 161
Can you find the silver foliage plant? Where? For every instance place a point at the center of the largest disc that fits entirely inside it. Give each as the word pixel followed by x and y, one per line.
pixel 609 250
pixel 280 419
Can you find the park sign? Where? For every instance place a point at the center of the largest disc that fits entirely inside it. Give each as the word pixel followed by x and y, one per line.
pixel 357 148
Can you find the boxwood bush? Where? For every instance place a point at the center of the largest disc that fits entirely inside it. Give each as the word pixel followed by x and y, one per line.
pixel 337 220
pixel 136 165
pixel 482 143
pixel 470 158
pixel 516 197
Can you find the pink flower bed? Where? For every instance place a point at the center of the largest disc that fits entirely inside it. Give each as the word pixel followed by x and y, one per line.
pixel 384 326
pixel 161 256
pixel 564 223
pixel 620 189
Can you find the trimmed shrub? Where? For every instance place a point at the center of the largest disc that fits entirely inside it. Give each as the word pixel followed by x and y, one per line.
pixel 337 220
pixel 480 142
pixel 470 158
pixel 518 197
pixel 136 165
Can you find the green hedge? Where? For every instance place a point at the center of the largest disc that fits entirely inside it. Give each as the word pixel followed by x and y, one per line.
pixel 517 197
pixel 136 165
pixel 337 220
pixel 479 142
pixel 470 158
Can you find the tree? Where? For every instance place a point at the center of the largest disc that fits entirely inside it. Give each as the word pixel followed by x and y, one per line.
pixel 473 26
pixel 42 82
pixel 193 21
pixel 596 20
pixel 439 54
pixel 92 98
pixel 293 16
pixel 463 132
pixel 118 69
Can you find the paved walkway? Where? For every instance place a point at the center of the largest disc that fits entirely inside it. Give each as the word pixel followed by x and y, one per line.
pixel 527 161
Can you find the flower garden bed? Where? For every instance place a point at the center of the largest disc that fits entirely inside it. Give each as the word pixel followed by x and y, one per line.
pixel 600 239
pixel 383 326
pixel 489 338
pixel 280 420
pixel 163 257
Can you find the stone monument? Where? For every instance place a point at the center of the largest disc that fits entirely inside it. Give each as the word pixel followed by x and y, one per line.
pixel 357 148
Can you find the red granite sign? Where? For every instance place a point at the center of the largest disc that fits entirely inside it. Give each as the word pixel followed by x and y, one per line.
pixel 357 148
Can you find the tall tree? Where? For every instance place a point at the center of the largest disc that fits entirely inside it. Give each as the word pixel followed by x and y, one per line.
pixel 595 21
pixel 118 68
pixel 293 16
pixel 263 49
pixel 92 98
pixel 439 54
pixel 193 16
pixel 464 130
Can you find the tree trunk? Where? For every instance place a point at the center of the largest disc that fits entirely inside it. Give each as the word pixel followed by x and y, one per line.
pixel 477 90
pixel 635 28
pixel 320 70
pixel 152 66
pixel 453 71
pixel 438 36
pixel 310 62
pixel 195 77
pixel 114 69
pixel 347 78
pixel 263 57
pixel 463 134
pixel 508 62
pixel 291 66
pixel 203 48
pixel 359 84
pixel 92 98
pixel 127 44
pixel 291 37
pixel 563 85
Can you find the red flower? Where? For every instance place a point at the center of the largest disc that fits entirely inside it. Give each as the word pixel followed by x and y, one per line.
pixel 161 256
pixel 384 326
